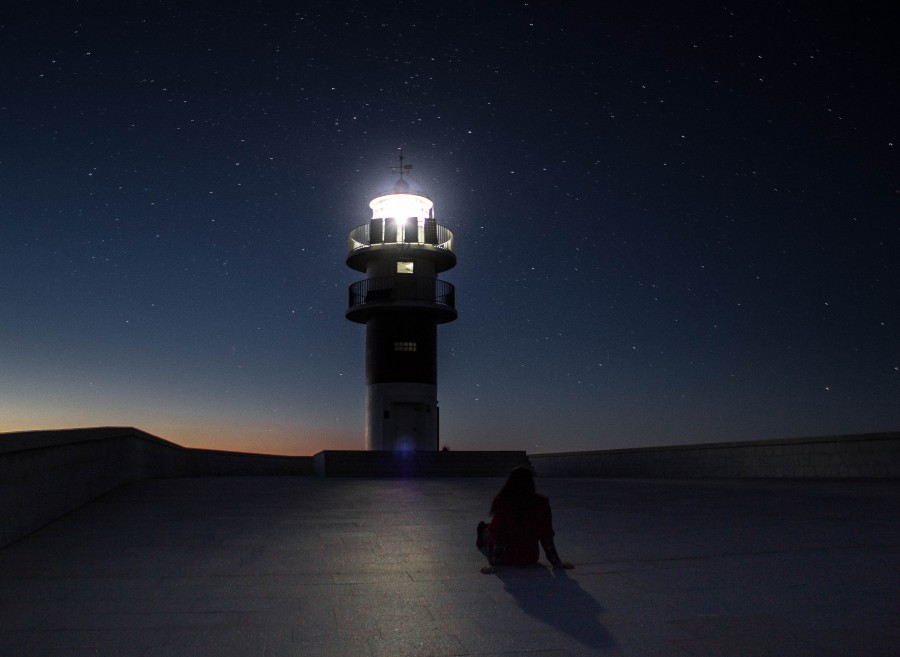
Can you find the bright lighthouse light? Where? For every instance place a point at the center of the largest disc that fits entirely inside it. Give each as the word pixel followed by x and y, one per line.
pixel 400 206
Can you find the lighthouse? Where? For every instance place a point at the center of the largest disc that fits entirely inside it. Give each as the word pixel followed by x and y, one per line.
pixel 401 250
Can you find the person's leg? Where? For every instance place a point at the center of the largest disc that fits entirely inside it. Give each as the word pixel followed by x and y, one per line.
pixel 485 545
pixel 481 541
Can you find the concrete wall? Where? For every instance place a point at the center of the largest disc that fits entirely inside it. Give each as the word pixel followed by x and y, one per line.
pixel 864 455
pixel 385 463
pixel 210 463
pixel 46 474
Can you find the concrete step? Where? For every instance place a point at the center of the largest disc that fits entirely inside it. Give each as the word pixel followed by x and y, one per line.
pixel 353 463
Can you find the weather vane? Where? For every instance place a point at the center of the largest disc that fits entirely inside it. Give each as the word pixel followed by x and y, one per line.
pixel 402 168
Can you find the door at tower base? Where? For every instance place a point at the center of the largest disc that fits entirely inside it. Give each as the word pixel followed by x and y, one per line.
pixel 401 416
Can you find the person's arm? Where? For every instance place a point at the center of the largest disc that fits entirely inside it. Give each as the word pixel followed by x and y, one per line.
pixel 552 555
pixel 546 538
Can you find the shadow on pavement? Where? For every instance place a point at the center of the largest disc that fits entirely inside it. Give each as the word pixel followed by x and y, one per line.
pixel 554 598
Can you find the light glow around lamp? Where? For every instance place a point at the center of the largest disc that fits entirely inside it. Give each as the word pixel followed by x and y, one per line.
pixel 401 206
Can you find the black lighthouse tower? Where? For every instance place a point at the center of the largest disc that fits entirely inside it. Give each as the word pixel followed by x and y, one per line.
pixel 401 250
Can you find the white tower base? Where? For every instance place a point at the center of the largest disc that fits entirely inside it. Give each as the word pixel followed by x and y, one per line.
pixel 401 416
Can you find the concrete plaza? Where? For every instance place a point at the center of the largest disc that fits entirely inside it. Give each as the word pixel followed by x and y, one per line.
pixel 291 566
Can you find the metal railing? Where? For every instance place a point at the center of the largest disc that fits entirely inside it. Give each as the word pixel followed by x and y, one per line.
pixel 440 237
pixel 403 287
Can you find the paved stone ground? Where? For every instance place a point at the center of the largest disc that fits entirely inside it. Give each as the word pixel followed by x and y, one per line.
pixel 283 567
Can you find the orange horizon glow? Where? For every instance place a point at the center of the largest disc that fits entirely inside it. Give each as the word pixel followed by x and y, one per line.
pixel 244 437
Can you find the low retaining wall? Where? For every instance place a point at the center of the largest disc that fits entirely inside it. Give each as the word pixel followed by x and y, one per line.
pixel 860 456
pixel 46 474
pixel 352 463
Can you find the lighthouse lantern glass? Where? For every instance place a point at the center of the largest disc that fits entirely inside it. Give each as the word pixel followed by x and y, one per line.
pixel 400 206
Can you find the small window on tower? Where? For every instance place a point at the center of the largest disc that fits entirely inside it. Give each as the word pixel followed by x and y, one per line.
pixel 404 346
pixel 404 268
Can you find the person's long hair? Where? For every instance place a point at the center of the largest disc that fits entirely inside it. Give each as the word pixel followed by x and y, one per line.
pixel 518 491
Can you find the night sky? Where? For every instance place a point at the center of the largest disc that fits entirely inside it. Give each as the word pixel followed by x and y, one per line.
pixel 674 224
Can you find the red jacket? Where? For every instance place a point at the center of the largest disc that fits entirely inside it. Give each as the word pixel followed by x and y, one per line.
pixel 513 536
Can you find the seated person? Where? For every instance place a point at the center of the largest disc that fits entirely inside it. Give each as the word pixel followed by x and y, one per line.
pixel 520 519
